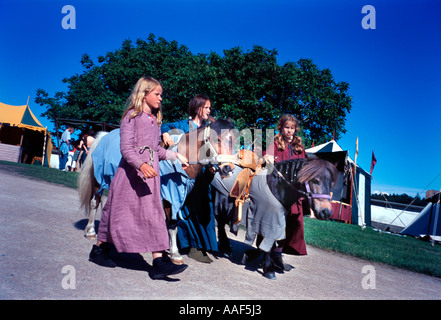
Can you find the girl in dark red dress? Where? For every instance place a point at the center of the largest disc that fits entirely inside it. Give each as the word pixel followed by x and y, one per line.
pixel 286 146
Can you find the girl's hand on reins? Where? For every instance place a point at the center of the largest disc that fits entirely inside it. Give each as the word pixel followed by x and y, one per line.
pixel 148 171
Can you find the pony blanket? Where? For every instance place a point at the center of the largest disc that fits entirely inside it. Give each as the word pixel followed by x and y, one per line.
pixel 106 158
pixel 175 184
pixel 263 214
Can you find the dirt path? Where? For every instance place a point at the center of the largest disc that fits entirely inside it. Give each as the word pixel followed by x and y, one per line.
pixel 45 256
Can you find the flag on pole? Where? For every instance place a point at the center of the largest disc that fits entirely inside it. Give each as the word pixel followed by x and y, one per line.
pixel 356 150
pixel 373 162
pixel 356 155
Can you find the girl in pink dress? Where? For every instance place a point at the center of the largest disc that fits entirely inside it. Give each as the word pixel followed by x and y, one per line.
pixel 133 219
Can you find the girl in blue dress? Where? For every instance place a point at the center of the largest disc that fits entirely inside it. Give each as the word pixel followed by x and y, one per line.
pixel 196 224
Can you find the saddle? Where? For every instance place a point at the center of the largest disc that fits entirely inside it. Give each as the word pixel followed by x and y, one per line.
pixel 251 165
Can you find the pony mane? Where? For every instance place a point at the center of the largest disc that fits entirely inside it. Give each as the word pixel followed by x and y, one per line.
pixel 313 169
pixel 219 125
pixel 302 170
pixel 289 169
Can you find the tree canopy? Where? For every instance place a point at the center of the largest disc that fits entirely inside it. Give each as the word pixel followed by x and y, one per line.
pixel 250 87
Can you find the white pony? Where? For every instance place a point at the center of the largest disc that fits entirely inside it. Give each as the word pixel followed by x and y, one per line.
pixel 88 189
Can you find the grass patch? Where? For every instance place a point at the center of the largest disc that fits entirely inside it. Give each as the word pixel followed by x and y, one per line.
pixel 66 178
pixel 401 252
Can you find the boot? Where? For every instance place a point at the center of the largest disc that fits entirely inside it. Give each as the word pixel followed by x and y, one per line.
pixel 164 267
pixel 100 256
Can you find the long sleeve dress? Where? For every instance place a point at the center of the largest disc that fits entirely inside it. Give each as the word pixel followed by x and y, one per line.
pixel 196 222
pixel 133 218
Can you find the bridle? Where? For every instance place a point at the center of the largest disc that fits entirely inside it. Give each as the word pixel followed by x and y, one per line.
pixel 308 194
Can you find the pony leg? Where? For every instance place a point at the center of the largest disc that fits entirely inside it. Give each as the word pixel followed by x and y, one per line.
pixel 267 266
pixel 89 231
pixel 276 258
pixel 175 256
pixel 224 243
pixel 172 229
pixel 90 227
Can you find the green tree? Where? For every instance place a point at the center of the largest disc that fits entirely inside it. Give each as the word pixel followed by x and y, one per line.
pixel 250 87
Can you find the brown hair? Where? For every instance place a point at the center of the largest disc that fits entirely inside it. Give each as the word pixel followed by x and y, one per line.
pixel 296 142
pixel 197 102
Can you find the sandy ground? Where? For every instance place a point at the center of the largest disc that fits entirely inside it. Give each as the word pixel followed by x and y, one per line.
pixel 44 255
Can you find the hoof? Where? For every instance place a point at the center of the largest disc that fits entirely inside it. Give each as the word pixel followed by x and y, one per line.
pixel 270 275
pixel 224 254
pixel 91 236
pixel 179 261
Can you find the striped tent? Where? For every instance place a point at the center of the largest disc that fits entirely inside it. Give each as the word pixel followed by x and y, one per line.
pixel 22 136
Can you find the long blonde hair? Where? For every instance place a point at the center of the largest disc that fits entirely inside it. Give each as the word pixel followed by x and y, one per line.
pixel 143 87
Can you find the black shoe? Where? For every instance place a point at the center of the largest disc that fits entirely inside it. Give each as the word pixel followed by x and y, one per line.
pixel 163 268
pixel 99 255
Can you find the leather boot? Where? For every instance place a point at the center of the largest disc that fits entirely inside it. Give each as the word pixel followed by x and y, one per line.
pixel 163 268
pixel 100 256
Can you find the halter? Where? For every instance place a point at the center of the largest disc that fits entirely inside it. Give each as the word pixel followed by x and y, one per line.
pixel 308 192
pixel 207 142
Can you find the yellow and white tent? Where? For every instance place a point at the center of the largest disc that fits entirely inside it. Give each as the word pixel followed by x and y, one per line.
pixel 22 136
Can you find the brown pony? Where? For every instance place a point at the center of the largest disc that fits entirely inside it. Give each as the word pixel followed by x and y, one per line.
pixel 272 193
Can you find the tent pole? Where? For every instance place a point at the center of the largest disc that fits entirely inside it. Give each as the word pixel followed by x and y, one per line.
pixel 21 145
pixel 436 215
pixel 44 147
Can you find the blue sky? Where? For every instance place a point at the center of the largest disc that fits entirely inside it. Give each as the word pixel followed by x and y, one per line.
pixel 393 70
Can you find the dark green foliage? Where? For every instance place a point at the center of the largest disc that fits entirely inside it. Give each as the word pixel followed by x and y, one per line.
pixel 249 87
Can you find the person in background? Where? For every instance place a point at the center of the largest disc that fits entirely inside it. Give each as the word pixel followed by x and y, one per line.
pixel 64 147
pixel 87 140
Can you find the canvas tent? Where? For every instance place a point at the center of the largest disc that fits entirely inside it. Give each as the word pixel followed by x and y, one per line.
pixel 428 222
pixel 22 137
pixel 352 193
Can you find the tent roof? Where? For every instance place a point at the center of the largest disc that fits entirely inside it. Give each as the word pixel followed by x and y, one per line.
pixel 330 146
pixel 428 222
pixel 19 116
